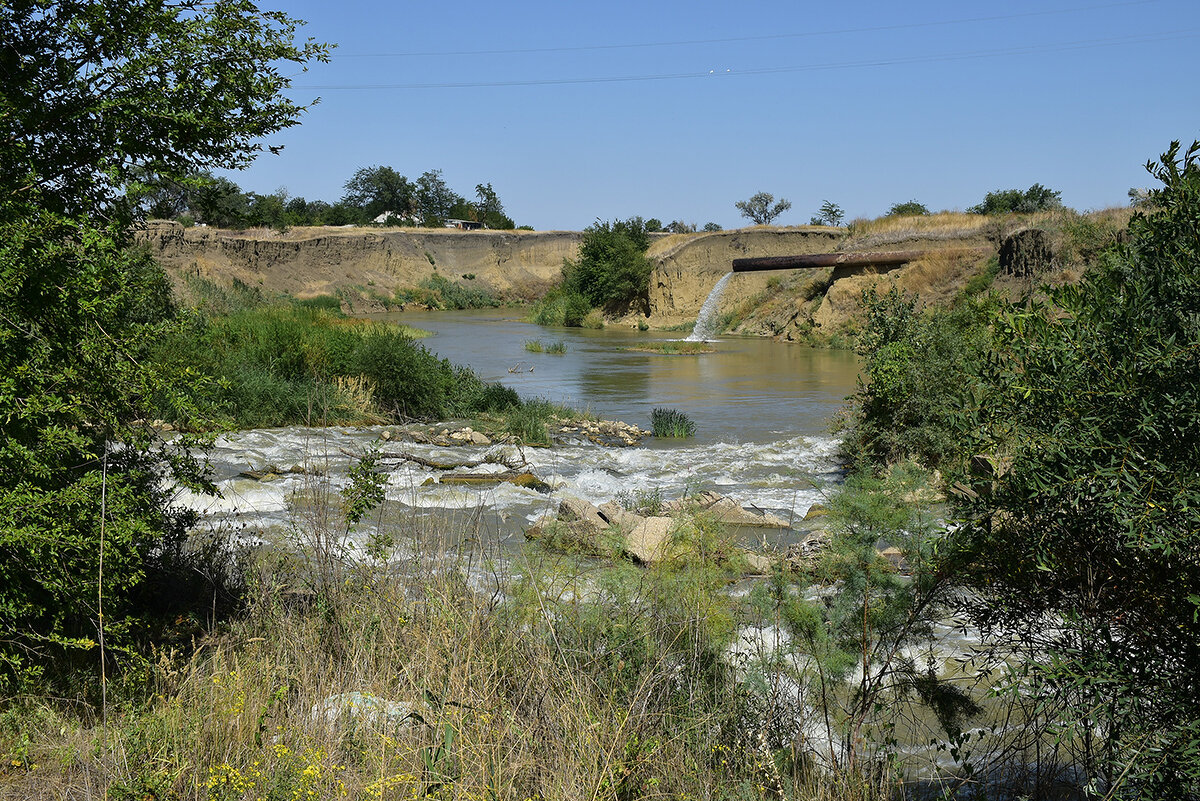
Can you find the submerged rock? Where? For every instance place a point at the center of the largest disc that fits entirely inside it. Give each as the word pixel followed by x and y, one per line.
pixel 523 479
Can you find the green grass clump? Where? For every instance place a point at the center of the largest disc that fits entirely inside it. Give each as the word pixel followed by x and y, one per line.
pixel 327 303
pixel 555 348
pixel 562 308
pixel 530 422
pixel 671 423
pixel 673 348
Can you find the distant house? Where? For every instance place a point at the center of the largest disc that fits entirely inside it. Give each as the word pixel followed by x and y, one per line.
pixel 464 225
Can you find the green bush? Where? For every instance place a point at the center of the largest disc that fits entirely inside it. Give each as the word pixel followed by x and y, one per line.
pixel 909 208
pixel 671 423
pixel 1014 201
pixel 279 365
pixel 612 270
pixel 917 371
pixel 83 480
pixel 983 279
pixel 561 307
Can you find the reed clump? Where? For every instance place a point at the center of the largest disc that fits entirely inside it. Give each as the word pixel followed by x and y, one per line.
pixel 672 423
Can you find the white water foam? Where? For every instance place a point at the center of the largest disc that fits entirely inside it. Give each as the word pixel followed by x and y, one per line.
pixel 783 477
pixel 706 321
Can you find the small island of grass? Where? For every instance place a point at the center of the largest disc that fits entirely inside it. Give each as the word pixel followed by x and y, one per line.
pixel 673 348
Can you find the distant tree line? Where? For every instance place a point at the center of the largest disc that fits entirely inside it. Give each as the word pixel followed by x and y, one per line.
pixel 374 195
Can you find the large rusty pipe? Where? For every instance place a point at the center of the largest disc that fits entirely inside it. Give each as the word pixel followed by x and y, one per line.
pixel 884 258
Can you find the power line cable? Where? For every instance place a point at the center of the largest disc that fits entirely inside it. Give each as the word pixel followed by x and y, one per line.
pixel 883 62
pixel 763 38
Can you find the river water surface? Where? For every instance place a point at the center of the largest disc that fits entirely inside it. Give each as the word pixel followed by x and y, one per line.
pixel 762 410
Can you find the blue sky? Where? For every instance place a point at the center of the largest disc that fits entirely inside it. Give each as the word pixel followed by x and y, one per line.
pixel 862 103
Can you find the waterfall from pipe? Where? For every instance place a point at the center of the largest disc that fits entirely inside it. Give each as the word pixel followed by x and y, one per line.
pixel 706 321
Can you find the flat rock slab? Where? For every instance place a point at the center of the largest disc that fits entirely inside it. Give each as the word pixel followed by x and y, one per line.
pixel 648 541
pixel 725 510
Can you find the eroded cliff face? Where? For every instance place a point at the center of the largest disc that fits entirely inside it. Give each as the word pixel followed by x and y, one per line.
pixel 314 261
pixel 796 304
pixel 687 267
pixel 365 265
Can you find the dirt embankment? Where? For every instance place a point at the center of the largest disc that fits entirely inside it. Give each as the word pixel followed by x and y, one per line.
pixel 687 267
pixel 305 262
pixel 794 303
pixel 363 265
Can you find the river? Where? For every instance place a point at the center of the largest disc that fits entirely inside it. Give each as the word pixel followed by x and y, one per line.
pixel 762 410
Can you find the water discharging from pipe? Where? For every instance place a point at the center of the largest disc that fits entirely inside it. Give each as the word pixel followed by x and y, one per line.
pixel 706 321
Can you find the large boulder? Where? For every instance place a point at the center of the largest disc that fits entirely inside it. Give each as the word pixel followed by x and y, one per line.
pixel 571 509
pixel 578 527
pixel 617 515
pixel 348 710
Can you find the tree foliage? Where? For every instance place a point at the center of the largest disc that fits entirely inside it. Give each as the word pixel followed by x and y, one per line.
pixel 99 94
pixel 762 208
pixel 379 190
pixel 829 214
pixel 434 199
pixel 612 269
pixel 489 210
pixel 1085 536
pixel 99 101
pixel 909 208
pixel 1014 201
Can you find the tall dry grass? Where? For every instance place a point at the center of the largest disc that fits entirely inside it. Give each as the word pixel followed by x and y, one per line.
pixel 864 234
pixel 429 675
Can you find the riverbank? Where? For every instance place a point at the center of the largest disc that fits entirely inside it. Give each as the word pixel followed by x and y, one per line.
pixel 371 270
pixel 414 668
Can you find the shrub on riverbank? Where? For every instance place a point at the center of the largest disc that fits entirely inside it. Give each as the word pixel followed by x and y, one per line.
pixel 439 292
pixel 918 369
pixel 260 365
pixel 1069 429
pixel 611 274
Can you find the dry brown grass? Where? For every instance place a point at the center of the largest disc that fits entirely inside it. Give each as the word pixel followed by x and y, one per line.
pixel 869 234
pixel 558 678
pixel 509 700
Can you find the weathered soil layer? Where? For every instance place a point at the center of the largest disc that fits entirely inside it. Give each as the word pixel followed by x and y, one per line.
pixel 305 262
pixel 364 265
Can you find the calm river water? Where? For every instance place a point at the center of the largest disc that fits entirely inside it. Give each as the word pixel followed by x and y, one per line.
pixel 762 411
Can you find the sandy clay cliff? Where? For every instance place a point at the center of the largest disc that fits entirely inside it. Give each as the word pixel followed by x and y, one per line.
pixel 361 264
